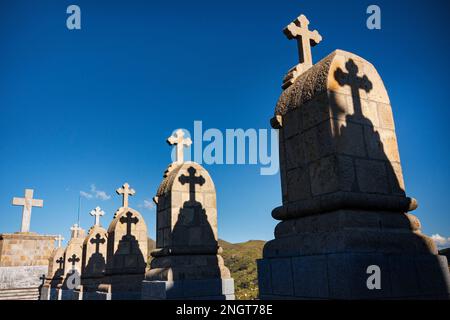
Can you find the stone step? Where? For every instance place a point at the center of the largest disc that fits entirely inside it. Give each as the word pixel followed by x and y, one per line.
pixel 20 294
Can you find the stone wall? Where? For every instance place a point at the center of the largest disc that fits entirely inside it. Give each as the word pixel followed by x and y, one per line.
pixel 25 249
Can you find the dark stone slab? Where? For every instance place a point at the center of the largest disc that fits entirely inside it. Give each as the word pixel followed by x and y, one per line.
pixel 282 280
pixel 264 276
pixel 310 276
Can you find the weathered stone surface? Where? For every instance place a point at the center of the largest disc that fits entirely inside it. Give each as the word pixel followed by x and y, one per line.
pixel 127 243
pixel 344 276
pixel 22 277
pixel 94 252
pixel 25 249
pixel 344 204
pixel 339 107
pixel 187 259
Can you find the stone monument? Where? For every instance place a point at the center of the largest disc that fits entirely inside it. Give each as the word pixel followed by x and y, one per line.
pixel 345 213
pixel 55 275
pixel 94 257
pixel 72 265
pixel 126 254
pixel 186 262
pixel 24 255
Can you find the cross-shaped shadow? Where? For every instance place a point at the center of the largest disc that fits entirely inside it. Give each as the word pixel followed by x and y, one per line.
pixel 192 231
pixel 95 264
pixel 358 126
pixel 128 256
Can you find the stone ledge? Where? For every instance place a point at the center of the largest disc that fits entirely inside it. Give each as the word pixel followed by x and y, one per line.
pixel 344 200
pixel 25 236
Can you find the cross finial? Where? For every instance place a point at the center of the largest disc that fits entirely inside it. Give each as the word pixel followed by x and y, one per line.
pixel 180 142
pixel 59 238
pixel 298 29
pixel 75 230
pixel 97 213
pixel 28 203
pixel 126 191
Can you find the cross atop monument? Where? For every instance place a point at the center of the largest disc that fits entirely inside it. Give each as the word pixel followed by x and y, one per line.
pixel 97 241
pixel 129 220
pixel 75 230
pixel 126 191
pixel 298 29
pixel 192 179
pixel 180 142
pixel 97 213
pixel 59 238
pixel 28 203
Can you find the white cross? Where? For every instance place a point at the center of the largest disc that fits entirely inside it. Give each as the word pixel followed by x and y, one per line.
pixel 178 139
pixel 59 238
pixel 298 29
pixel 97 213
pixel 28 203
pixel 125 190
pixel 75 230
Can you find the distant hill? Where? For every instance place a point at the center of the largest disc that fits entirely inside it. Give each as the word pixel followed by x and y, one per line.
pixel 240 258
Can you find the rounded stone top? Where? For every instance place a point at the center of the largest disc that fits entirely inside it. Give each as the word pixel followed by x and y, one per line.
pixel 93 231
pixel 182 177
pixel 119 226
pixel 340 72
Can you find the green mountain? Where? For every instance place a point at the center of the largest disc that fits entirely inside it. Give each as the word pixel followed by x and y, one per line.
pixel 240 258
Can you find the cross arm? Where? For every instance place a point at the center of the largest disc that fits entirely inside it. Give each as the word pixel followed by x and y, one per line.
pixel 316 38
pixel 38 203
pixel 18 201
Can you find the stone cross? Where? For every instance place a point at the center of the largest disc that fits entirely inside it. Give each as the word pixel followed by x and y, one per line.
pixel 126 191
pixel 97 213
pixel 73 259
pixel 60 261
pixel 298 29
pixel 129 220
pixel 180 142
pixel 97 241
pixel 75 230
pixel 356 83
pixel 59 238
pixel 28 203
pixel 192 180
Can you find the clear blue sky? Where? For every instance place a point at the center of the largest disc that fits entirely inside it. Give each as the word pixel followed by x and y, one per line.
pixel 95 106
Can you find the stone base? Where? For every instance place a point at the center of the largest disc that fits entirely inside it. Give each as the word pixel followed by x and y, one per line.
pixel 344 276
pixel 208 289
pixel 69 294
pixel 19 283
pixel 97 295
pixel 25 249
pixel 119 287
